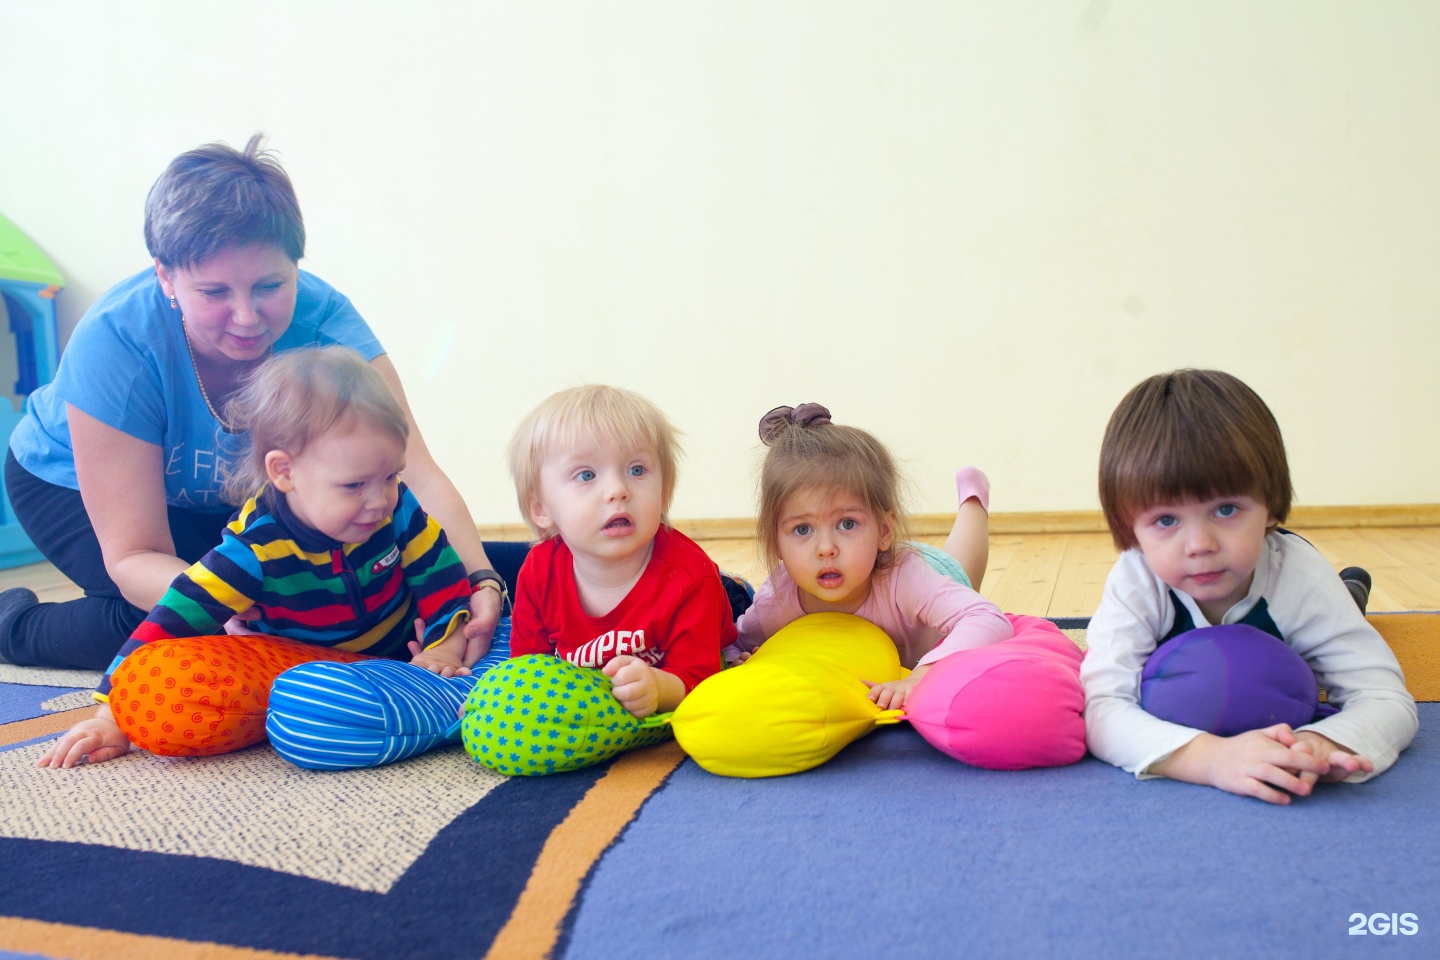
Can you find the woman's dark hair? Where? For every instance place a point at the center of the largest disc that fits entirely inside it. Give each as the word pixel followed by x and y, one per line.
pixel 215 197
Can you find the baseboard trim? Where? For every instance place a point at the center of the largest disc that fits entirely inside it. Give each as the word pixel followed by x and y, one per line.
pixel 1386 515
pixel 504 531
pixel 1053 521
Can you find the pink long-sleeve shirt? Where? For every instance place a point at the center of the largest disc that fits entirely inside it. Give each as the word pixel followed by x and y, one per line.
pixel 926 613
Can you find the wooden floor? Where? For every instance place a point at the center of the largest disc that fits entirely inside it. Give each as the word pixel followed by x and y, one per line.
pixel 1061 574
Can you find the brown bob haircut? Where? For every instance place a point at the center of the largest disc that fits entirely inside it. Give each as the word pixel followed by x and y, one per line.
pixel 1190 435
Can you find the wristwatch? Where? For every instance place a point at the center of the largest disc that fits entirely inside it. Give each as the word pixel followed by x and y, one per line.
pixel 489 579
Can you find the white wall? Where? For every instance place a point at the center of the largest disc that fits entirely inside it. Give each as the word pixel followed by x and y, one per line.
pixel 967 226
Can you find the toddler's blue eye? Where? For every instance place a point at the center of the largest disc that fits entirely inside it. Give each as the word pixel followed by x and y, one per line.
pixel 637 470
pixel 1226 510
pixel 585 476
pixel 801 530
pixel 1166 522
pixel 848 523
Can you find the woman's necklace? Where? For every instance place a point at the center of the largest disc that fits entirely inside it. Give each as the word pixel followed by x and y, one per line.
pixel 201 380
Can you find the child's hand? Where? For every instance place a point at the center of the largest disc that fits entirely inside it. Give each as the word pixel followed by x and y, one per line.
pixel 635 685
pixel 240 624
pixel 1251 764
pixel 1342 762
pixel 893 694
pixel 445 658
pixel 641 688
pixel 95 741
pixel 734 656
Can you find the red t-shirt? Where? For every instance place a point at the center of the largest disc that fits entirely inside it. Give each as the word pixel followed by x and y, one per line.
pixel 675 618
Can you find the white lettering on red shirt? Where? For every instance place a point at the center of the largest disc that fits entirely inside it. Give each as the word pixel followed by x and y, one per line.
pixel 611 644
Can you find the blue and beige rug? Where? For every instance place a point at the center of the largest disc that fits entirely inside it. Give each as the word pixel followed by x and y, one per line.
pixel 892 848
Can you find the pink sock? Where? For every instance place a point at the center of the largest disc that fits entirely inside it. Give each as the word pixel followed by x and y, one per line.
pixel 972 482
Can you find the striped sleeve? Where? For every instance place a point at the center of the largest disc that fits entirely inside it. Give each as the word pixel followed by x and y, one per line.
pixel 221 584
pixel 433 570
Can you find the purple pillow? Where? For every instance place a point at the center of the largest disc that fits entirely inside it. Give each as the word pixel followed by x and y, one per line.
pixel 1229 679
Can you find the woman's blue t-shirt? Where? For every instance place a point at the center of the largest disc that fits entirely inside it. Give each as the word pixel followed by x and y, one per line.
pixel 127 366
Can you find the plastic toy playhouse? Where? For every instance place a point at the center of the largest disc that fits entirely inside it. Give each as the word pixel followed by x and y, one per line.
pixel 28 284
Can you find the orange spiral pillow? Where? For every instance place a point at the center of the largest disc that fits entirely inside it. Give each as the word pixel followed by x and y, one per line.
pixel 199 696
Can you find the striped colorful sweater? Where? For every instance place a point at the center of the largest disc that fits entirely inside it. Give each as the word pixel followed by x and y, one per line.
pixel 362 597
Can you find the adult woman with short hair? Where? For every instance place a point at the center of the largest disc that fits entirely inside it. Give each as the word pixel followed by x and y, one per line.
pixel 115 473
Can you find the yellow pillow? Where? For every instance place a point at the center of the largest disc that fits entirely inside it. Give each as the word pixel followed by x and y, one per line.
pixel 795 703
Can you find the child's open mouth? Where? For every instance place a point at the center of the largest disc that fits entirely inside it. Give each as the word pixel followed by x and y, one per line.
pixel 618 525
pixel 830 578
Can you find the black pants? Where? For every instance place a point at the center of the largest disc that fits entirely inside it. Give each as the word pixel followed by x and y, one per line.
pixel 85 633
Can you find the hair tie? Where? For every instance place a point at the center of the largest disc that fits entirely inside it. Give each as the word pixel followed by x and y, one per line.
pixel 805 415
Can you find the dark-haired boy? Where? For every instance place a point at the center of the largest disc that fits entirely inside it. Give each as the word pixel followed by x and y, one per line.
pixel 1194 484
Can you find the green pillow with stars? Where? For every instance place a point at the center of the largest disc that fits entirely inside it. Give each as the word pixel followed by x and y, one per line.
pixel 538 714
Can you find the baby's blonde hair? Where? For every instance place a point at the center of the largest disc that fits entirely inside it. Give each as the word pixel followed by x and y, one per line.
pixel 609 414
pixel 815 454
pixel 297 397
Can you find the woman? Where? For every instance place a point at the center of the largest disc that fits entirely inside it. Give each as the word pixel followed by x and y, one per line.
pixel 116 471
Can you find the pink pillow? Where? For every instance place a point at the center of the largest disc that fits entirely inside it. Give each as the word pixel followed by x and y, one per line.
pixel 1008 706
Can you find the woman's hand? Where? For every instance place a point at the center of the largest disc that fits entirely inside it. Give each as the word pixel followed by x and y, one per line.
pixel 94 741
pixel 440 499
pixel 479 630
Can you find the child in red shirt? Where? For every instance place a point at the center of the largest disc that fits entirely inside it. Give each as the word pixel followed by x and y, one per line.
pixel 611 584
